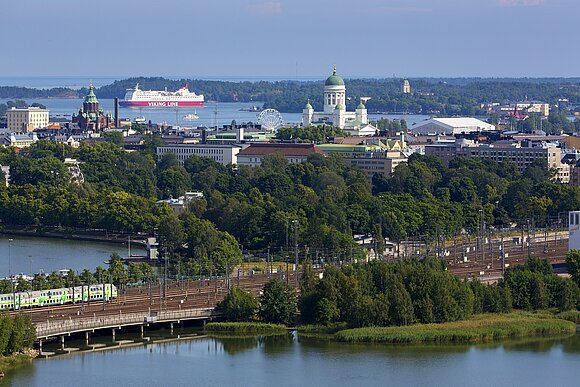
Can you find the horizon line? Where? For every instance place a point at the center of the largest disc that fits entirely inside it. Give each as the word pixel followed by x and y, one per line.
pixel 294 77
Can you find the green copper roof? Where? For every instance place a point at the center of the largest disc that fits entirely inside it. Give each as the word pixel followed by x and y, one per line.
pixel 308 105
pixel 91 97
pixel 334 80
pixel 361 105
pixel 346 148
pixel 339 107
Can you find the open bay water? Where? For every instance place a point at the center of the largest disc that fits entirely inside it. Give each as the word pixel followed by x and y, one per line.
pixel 293 361
pixel 222 112
pixel 28 255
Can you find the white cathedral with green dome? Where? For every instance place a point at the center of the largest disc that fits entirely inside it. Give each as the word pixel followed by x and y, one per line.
pixel 355 123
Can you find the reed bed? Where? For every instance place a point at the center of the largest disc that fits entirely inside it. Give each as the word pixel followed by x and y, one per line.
pixel 485 327
pixel 570 315
pixel 244 327
pixel 8 363
pixel 323 329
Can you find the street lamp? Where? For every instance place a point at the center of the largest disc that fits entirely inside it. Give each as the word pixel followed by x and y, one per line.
pixel 10 257
pixel 10 272
pixel 295 223
pixel 480 234
pixel 165 276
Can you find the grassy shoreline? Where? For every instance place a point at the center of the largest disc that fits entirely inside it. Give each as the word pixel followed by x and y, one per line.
pixel 244 327
pixel 571 315
pixel 480 328
pixel 12 362
pixel 322 329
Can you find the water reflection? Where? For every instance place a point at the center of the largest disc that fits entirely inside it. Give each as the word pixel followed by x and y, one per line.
pixel 290 359
pixel 270 344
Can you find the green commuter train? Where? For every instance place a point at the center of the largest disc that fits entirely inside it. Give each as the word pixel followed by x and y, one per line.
pixel 61 296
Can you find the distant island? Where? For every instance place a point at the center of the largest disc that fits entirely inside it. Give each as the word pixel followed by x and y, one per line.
pixel 442 96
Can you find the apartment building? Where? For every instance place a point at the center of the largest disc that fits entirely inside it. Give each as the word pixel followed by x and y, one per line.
pixel 26 119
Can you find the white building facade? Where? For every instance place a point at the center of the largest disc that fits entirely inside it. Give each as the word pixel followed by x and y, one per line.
pixel 451 126
pixel 223 154
pixel 334 109
pixel 26 119
pixel 574 230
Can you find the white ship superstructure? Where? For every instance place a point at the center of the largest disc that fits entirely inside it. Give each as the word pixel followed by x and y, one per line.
pixel 154 98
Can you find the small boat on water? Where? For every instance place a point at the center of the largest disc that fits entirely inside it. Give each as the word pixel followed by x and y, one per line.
pixel 140 120
pixel 253 109
pixel 190 117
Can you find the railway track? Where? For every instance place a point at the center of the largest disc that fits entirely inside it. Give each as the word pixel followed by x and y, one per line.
pixel 207 293
pixel 490 262
pixel 182 295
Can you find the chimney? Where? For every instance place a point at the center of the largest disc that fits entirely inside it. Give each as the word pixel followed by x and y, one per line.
pixel 240 134
pixel 203 136
pixel 116 112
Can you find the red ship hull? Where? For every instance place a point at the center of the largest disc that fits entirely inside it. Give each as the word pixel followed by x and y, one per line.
pixel 161 104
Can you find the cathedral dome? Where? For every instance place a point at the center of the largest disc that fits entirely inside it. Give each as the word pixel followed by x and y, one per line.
pixel 334 80
pixel 91 97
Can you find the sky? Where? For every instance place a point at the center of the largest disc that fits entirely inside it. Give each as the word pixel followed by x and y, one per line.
pixel 290 38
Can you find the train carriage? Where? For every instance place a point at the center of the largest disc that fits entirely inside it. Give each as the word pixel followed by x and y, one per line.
pixel 60 296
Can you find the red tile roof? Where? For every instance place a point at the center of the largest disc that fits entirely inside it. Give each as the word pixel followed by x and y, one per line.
pixel 263 149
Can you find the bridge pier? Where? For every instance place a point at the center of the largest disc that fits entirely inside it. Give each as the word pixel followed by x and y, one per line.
pixel 40 345
pixel 57 330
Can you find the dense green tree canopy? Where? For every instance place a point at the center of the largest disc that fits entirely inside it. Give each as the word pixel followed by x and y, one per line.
pixel 238 305
pixel 278 303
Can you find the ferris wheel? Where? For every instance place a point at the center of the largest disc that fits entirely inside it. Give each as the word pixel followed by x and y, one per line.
pixel 270 119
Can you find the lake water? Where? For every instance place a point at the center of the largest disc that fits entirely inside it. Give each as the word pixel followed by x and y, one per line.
pixel 33 255
pixel 291 361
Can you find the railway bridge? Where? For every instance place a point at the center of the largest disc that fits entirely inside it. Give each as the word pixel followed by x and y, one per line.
pixel 179 301
pixel 62 328
pixel 48 329
pixel 139 308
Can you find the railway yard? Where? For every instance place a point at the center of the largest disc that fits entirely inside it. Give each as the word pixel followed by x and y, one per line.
pixel 179 295
pixel 462 258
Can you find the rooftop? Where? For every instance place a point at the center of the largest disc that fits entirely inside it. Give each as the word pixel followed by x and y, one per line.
pixel 460 121
pixel 264 149
pixel 28 109
pixel 346 147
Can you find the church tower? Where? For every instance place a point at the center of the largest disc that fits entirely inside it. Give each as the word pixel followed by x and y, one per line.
pixel 361 113
pixel 91 115
pixel 339 116
pixel 307 114
pixel 334 93
pixel 406 87
pixel 91 104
